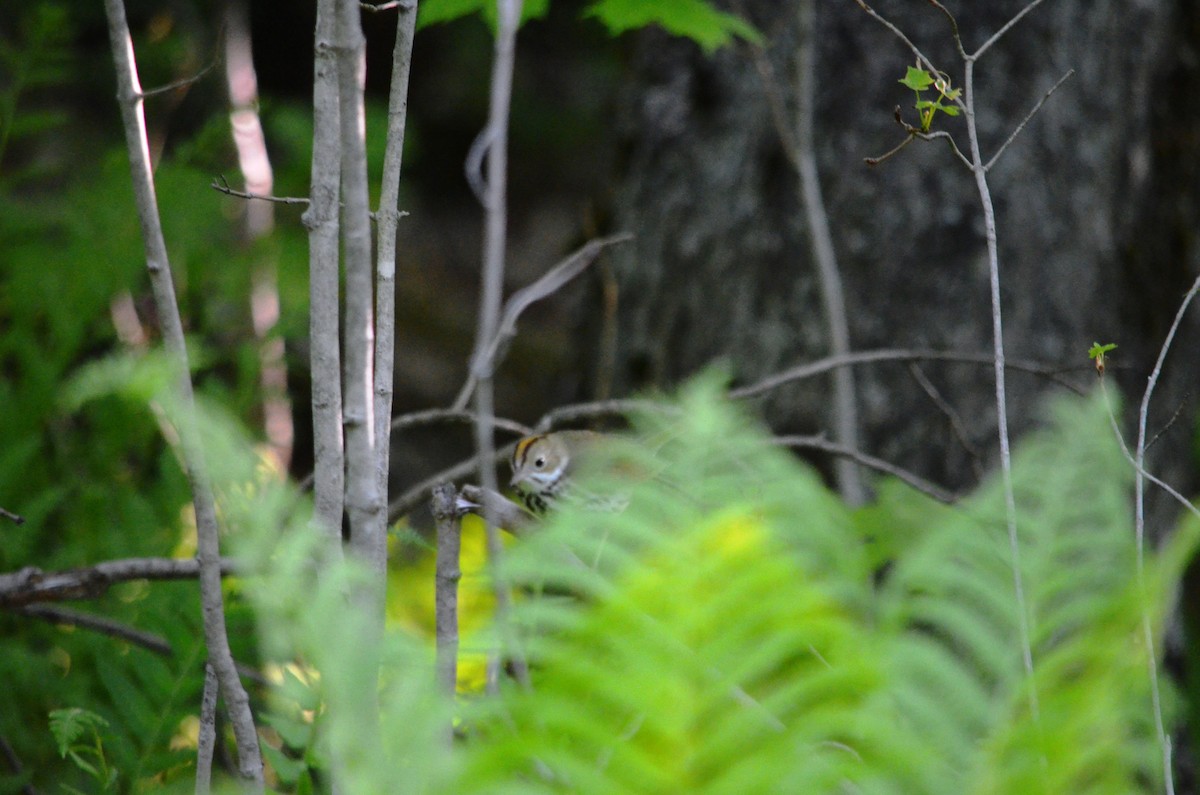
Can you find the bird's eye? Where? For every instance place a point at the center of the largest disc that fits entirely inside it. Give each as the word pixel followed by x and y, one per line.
pixel 539 462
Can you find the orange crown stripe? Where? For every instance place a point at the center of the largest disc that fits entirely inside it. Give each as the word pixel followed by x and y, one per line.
pixel 522 446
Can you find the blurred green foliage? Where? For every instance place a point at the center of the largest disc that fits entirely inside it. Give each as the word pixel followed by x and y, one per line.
pixel 733 631
pixel 97 481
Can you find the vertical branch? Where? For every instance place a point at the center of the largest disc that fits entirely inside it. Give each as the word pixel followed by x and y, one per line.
pixel 1010 504
pixel 258 222
pixel 1164 740
pixel 321 220
pixel 845 405
pixel 207 738
pixel 446 580
pixel 386 220
pixel 208 554
pixel 364 504
pixel 495 139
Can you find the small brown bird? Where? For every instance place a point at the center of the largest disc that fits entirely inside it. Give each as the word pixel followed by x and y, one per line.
pixel 544 465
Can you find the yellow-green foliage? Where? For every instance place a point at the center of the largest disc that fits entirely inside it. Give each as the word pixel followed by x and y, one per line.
pixel 733 631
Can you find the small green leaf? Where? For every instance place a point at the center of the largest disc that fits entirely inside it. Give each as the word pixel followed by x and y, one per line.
pixel 1097 350
pixel 949 110
pixel 917 79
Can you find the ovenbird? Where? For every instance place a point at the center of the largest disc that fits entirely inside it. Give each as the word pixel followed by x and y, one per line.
pixel 544 469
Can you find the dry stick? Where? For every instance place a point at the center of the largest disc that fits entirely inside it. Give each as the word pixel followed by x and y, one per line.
pixel 1147 629
pixel 321 220
pixel 386 219
pixel 845 404
pixel 1025 121
pixel 207 539
pixel 870 461
pixel 105 626
pixel 221 185
pixel 549 283
pixel 364 501
pixel 509 515
pixel 1129 456
pixel 206 740
pixel 1010 502
pixel 810 369
pixel 1164 739
pixel 956 421
pixel 495 233
pixel 416 419
pixel 31 584
pixel 448 573
pixel 12 517
pixel 419 492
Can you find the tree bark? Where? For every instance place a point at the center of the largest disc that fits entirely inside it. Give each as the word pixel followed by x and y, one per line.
pixel 1092 203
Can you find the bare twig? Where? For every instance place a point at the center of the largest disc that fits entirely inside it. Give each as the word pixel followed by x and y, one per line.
pixel 937 135
pixel 207 538
pixel 953 27
pixel 321 221
pixel 473 165
pixel 508 514
pixel 183 82
pixel 956 421
pixel 916 51
pixel 845 402
pixel 221 185
pixel 600 408
pixel 419 492
pixel 448 574
pixel 434 416
pixel 895 355
pixel 206 739
pixel 12 517
pixel 549 283
pixel 495 204
pixel 102 624
pixel 387 219
pixel 870 461
pixel 1139 462
pixel 31 584
pixel 1028 116
pixel 1010 504
pixel 365 505
pixel 1170 423
pixel 1140 470
pixel 975 56
pixel 1143 417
